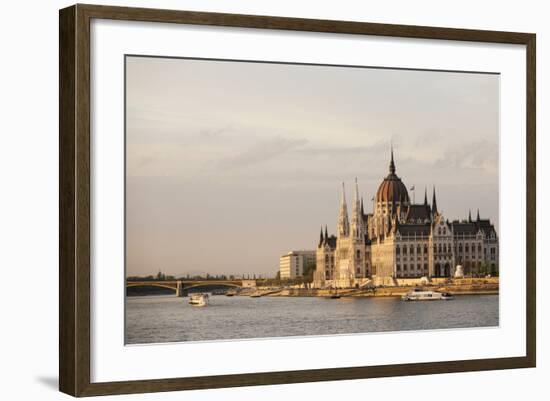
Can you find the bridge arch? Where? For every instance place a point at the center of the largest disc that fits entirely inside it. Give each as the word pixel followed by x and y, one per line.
pixel 151 284
pixel 180 287
pixel 211 283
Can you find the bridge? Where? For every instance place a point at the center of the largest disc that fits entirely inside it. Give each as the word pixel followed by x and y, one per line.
pixel 182 286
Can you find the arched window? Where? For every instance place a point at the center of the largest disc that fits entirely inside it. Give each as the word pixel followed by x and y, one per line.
pixel 418 249
pixel 467 248
pixel 439 248
pixel 412 249
pixel 425 249
pixel 398 250
pixel 326 258
pixel 358 255
pixel 404 250
pixel 460 248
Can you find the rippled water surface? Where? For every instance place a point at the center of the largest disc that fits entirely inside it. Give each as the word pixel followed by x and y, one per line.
pixel 167 318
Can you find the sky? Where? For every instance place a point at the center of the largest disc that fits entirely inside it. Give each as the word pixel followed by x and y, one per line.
pixel 231 164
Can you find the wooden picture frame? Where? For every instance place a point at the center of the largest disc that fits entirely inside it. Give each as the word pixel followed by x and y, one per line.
pixel 74 203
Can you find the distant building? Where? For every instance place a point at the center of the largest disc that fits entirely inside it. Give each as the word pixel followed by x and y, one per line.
pixel 292 264
pixel 400 239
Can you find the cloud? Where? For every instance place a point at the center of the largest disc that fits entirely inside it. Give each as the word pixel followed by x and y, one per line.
pixel 378 148
pixel 144 161
pixel 261 152
pixel 475 155
pixel 429 137
pixel 213 133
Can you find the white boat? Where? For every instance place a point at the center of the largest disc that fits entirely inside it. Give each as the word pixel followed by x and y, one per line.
pixel 421 295
pixel 198 299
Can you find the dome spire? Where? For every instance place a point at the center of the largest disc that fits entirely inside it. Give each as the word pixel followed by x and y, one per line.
pixel 392 164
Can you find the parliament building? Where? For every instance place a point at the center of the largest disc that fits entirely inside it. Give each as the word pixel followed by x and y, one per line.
pixel 401 239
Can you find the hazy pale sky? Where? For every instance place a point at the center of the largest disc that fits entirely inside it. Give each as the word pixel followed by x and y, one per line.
pixel 231 164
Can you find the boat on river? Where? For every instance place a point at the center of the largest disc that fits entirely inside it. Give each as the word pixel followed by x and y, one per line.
pixel 420 295
pixel 334 295
pixel 198 299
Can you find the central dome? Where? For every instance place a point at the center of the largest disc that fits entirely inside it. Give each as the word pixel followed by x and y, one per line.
pixel 392 189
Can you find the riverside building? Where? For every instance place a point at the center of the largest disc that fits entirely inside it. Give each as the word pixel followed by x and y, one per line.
pixel 292 264
pixel 400 239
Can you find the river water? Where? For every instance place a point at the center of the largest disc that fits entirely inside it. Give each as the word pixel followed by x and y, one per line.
pixel 157 319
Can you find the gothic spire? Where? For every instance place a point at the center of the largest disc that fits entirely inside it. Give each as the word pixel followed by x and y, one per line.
pixel 321 239
pixel 362 209
pixel 469 215
pixel 326 232
pixel 425 196
pixel 434 202
pixel 478 216
pixel 357 215
pixel 343 193
pixel 343 221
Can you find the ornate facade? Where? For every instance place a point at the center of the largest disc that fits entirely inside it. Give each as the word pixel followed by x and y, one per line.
pixel 400 239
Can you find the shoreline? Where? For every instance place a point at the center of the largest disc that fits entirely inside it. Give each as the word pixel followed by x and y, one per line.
pixel 394 291
pixel 393 294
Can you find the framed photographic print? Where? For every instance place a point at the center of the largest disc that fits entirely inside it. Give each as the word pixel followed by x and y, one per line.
pixel 284 196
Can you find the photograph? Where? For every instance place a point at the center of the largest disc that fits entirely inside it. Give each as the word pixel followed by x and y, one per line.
pixel 268 199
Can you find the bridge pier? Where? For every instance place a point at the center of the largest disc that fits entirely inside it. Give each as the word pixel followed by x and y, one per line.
pixel 179 289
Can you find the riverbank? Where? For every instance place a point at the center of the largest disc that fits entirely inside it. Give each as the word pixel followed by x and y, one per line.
pixel 455 287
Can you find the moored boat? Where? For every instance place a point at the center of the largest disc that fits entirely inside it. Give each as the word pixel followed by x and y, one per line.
pixel 421 295
pixel 198 299
pixel 334 295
